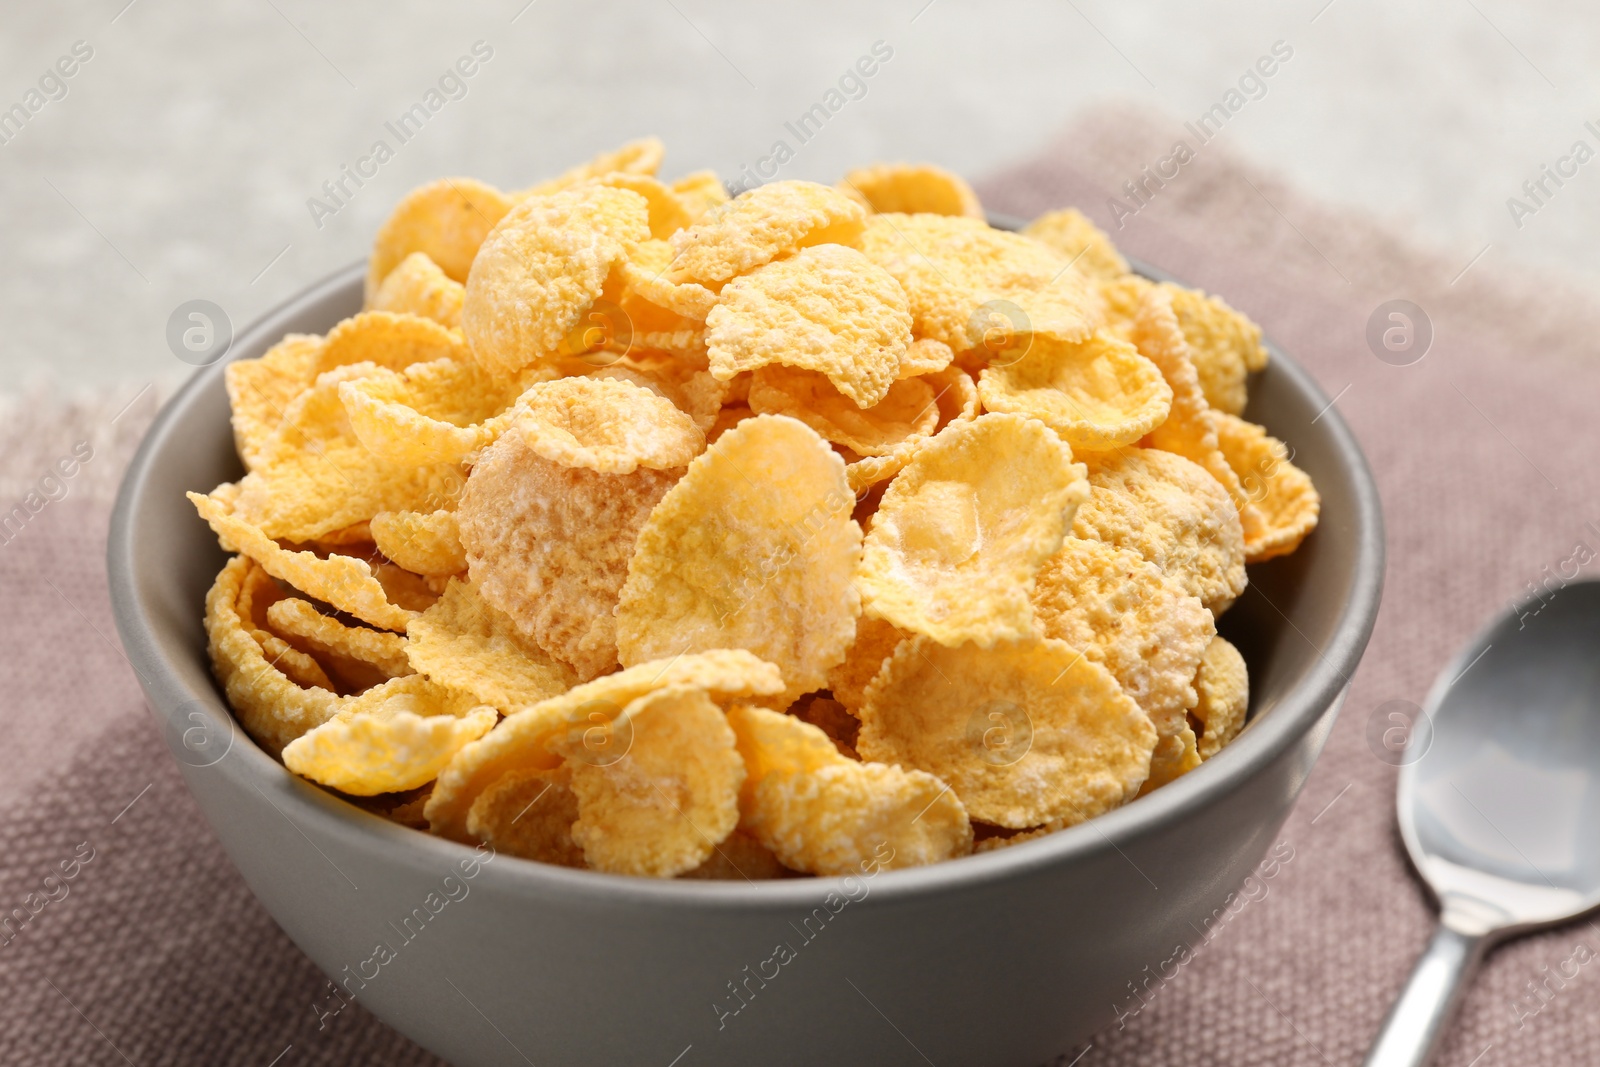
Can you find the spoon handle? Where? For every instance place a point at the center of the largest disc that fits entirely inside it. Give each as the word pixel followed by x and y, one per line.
pixel 1417 1021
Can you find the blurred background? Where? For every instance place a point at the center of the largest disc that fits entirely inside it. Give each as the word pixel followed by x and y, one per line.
pixel 177 160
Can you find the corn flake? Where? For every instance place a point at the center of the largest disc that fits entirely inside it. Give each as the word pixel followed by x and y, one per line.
pixel 754 548
pixel 422 542
pixel 907 409
pixel 1081 241
pixel 964 528
pixel 1024 732
pixel 1280 493
pixel 912 188
pixel 1225 345
pixel 827 309
pixel 758 226
pixel 529 814
pixel 447 219
pixel 1097 394
pixel 1223 684
pixel 417 286
pixel 465 643
pixel 261 390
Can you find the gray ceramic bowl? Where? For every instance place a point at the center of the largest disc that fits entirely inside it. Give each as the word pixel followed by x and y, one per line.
pixel 1008 958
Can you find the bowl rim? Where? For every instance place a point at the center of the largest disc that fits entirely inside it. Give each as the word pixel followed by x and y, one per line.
pixel 308 805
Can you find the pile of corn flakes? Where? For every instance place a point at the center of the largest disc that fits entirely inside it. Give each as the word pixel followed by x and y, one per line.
pixel 636 528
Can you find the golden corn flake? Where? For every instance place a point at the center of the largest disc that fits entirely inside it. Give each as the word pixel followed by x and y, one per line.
pixel 259 596
pixel 965 527
pixel 1097 394
pixel 1164 508
pixel 418 287
pixel 667 214
pixel 912 188
pixel 345 582
pixel 823 813
pixel 529 814
pixel 1223 684
pixel 1175 756
pixel 924 356
pixel 1191 428
pixel 1121 297
pixel 699 192
pixel 465 643
pixel 642 156
pixel 1280 493
pixel 875 642
pixel 261 390
pixel 758 226
pixel 380 649
pixel 1122 611
pixel 646 274
pixel 1225 344
pixel 754 548
pixel 689 387
pixel 267 703
pixel 422 542
pixel 395 736
pixel 605 425
pixel 974 287
pixel 430 413
pixel 907 408
pixel 955 396
pixel 665 805
pixel 827 309
pixel 447 219
pixel 315 477
pixel 520 741
pixel 1024 732
pixel 550 545
pixel 1081 241
pixel 542 267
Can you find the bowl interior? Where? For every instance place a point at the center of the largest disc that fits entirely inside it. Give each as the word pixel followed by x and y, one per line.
pixel 1301 625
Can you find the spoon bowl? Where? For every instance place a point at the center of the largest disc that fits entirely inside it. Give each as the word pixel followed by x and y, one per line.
pixel 1498 798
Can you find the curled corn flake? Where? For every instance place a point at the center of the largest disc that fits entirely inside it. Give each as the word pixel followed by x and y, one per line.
pixel 754 548
pixel 1175 755
pixel 667 214
pixel 1191 428
pixel 394 340
pixel 646 274
pixel 605 425
pixel 393 737
pixel 688 385
pixel 1081 241
pixel 956 398
pixel 259 595
pixel 261 390
pixel 422 542
pixel 964 528
pixel 529 814
pixel 466 644
pixel 542 267
pixel 761 225
pixel 520 741
pixel 419 287
pixel 924 356
pixel 875 642
pixel 271 707
pixel 642 156
pixel 1280 493
pixel 1121 297
pixel 1122 611
pixel 1225 344
pixel 1097 394
pixel 447 219
pixel 549 545
pixel 1170 511
pixel 699 192
pixel 973 287
pixel 1024 732
pixel 912 188
pixel 343 581
pixel 827 309
pixel 821 812
pixel 380 649
pixel 670 800
pixel 1223 685
pixel 907 409
pixel 430 413
pixel 315 477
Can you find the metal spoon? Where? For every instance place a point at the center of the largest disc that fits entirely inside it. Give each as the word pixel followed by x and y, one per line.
pixel 1499 810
